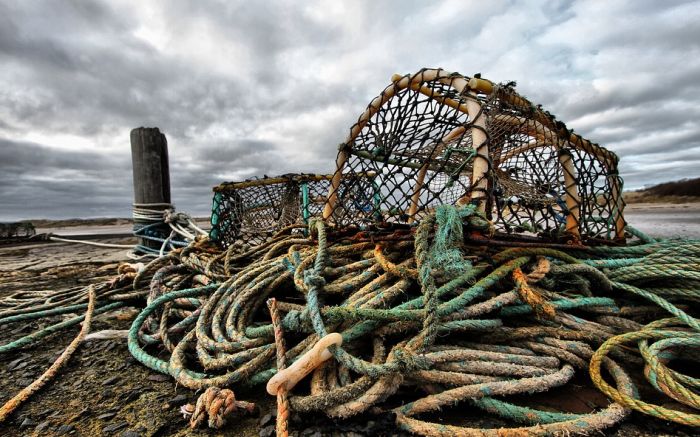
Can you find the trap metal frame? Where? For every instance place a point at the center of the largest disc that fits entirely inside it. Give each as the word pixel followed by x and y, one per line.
pixel 437 137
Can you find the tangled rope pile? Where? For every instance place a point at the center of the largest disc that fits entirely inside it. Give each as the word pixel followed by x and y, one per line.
pixel 461 323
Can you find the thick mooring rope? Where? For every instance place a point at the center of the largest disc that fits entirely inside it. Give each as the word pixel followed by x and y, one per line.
pixel 462 323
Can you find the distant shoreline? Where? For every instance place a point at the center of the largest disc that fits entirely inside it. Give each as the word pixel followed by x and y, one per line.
pixel 75 222
pixel 632 205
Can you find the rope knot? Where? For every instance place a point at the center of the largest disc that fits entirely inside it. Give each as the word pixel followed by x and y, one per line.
pixel 312 279
pixel 170 216
pixel 218 404
pixel 313 227
pixel 409 361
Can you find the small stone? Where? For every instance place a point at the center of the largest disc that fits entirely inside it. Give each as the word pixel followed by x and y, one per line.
pixel 106 416
pixel 65 429
pixel 27 422
pixel 12 364
pixel 130 434
pixel 267 431
pixel 43 426
pixel 159 377
pixel 132 396
pixel 266 419
pixel 110 381
pixel 114 427
pixel 17 364
pixel 177 401
pixel 45 412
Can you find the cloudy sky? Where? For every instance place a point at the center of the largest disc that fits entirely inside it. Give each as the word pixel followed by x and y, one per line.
pixel 244 88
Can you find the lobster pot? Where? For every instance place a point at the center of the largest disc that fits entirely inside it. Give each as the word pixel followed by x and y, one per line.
pixel 437 138
pixel 250 212
pixel 17 230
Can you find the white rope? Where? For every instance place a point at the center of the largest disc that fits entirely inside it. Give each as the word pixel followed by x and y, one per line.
pixel 165 243
pixel 180 224
pixel 92 243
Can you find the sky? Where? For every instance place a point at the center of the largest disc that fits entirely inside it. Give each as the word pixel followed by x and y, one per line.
pixel 247 88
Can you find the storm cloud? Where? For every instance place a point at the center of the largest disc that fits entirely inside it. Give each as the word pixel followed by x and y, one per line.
pixel 245 88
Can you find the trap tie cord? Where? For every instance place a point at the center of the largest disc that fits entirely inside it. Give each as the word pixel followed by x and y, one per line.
pixel 484 338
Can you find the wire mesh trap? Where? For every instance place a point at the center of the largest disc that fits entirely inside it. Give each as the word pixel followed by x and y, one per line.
pixel 15 230
pixel 436 137
pixel 253 211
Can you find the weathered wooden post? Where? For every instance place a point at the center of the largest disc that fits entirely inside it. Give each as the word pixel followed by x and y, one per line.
pixel 149 157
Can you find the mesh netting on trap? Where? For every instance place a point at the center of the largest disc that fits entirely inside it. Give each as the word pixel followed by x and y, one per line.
pixel 251 212
pixel 442 138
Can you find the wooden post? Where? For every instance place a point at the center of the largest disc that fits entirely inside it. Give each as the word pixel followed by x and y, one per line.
pixel 480 181
pixel 618 206
pixel 571 196
pixel 149 157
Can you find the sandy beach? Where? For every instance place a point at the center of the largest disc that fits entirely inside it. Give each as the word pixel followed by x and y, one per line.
pixel 665 220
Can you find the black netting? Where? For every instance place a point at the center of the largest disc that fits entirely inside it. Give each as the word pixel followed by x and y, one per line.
pixel 250 212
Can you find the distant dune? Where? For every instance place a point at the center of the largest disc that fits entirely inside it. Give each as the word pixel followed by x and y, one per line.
pixel 682 191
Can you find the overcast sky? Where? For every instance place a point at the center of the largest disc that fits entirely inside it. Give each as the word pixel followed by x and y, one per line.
pixel 245 88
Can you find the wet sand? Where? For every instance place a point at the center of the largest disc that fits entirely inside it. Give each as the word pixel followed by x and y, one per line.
pixel 665 220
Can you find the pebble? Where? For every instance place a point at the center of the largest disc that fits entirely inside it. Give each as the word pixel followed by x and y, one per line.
pixel 132 396
pixel 19 366
pixel 106 416
pixel 65 429
pixel 114 427
pixel 177 401
pixel 267 431
pixel 159 377
pixel 45 412
pixel 43 426
pixel 130 434
pixel 27 422
pixel 15 362
pixel 265 419
pixel 110 381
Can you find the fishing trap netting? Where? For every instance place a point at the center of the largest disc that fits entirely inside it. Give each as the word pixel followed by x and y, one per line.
pixel 250 212
pixel 442 138
pixel 17 230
